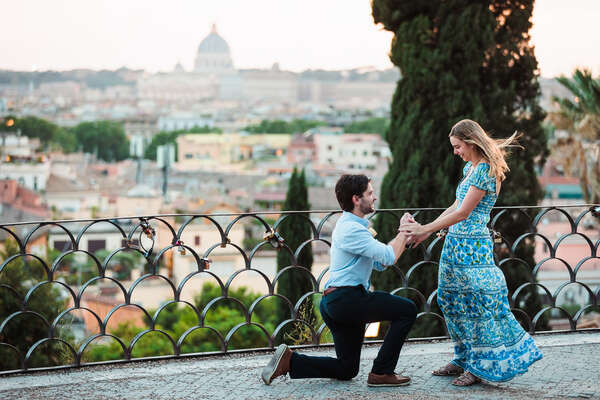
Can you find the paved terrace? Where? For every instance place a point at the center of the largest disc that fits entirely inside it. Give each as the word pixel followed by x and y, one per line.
pixel 570 369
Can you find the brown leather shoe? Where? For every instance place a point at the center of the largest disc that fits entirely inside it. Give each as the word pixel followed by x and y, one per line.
pixel 376 380
pixel 279 364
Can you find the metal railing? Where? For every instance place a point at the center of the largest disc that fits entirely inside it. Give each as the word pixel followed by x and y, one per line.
pixel 563 240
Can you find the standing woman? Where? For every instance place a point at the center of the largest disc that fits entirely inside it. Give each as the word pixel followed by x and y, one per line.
pixel 489 342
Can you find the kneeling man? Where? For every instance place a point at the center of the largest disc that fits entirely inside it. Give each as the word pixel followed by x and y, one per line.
pixel 348 305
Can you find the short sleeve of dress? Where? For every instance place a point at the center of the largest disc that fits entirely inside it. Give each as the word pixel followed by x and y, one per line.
pixel 482 180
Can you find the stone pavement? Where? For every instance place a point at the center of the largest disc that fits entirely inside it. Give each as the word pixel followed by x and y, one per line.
pixel 570 369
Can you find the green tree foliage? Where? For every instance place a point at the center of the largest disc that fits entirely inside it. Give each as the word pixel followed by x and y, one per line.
pixel 371 125
pixel 160 139
pixel 65 140
pixel 34 127
pixel 50 134
pixel 37 128
pixel 295 230
pixel 170 137
pixel 584 110
pixel 176 320
pixel 580 117
pixel 280 126
pixel 23 331
pixel 106 139
pixel 458 59
pixel 122 263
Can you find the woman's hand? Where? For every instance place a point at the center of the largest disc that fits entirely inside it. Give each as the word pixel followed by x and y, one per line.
pixel 407 218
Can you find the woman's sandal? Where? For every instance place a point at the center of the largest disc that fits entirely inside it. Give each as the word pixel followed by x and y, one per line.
pixel 448 370
pixel 466 379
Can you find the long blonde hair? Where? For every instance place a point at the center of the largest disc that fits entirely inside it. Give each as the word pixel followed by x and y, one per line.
pixel 493 150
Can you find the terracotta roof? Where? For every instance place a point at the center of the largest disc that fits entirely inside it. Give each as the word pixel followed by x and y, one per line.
pixel 21 198
pixel 57 183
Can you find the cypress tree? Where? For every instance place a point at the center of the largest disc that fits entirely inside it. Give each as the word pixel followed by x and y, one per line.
pixel 459 59
pixel 295 230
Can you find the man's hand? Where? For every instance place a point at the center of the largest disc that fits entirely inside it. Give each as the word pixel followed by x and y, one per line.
pixel 416 240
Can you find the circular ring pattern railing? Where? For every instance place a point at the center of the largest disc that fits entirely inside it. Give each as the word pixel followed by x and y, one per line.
pixel 579 268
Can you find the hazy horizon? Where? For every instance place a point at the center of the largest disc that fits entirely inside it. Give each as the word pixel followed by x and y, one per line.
pixel 335 35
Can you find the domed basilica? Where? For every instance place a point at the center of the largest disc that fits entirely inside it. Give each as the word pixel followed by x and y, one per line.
pixel 213 56
pixel 213 76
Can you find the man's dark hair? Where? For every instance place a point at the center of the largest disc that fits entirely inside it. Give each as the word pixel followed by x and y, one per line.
pixel 348 186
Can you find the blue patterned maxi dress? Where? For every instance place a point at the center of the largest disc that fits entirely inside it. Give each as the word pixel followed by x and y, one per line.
pixel 472 293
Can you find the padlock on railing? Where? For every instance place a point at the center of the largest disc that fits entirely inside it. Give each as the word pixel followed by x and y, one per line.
pixel 497 236
pixel 150 233
pixel 225 243
pixel 205 263
pixel 273 238
pixel 181 249
pixel 147 229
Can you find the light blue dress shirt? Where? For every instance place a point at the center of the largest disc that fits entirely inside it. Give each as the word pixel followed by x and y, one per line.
pixel 354 253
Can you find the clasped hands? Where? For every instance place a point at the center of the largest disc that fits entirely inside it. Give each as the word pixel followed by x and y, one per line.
pixel 414 231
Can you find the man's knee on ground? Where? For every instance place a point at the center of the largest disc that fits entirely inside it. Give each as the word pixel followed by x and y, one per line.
pixel 348 371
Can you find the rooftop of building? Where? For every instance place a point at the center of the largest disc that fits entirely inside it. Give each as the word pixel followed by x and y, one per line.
pixel 213 43
pixel 21 198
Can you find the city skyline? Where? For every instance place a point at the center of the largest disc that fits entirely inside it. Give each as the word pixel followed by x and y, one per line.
pixel 334 35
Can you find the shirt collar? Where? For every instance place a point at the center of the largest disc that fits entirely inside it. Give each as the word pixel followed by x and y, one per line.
pixel 356 218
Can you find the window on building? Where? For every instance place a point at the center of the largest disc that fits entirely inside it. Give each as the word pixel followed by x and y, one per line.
pixel 189 156
pixel 134 242
pixel 95 245
pixel 197 240
pixel 62 245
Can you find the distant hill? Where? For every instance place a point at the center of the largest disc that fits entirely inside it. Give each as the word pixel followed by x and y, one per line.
pixel 124 76
pixel 356 74
pixel 92 79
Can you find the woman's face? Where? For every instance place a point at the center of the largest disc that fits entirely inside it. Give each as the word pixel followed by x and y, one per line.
pixel 462 149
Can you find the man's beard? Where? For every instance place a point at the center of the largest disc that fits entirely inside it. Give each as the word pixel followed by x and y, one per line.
pixel 367 208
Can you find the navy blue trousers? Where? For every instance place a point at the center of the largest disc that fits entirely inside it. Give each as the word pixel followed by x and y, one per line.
pixel 346 311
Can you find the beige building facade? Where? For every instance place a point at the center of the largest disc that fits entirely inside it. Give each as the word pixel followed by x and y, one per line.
pixel 201 151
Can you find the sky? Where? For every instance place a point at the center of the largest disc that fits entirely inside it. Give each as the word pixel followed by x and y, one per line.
pixel 298 34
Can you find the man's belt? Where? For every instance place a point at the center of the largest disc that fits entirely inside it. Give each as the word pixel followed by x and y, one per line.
pixel 334 288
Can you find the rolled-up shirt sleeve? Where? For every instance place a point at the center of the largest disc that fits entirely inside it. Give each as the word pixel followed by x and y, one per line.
pixel 379 266
pixel 359 241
